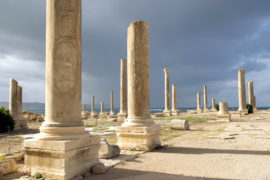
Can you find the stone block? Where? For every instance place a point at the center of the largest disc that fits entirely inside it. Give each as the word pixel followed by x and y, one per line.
pixel 107 150
pixel 179 124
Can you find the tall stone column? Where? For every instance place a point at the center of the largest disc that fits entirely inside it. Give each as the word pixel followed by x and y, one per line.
pixel 174 101
pixel 102 114
pixel 112 107
pixel 122 115
pixel 93 113
pixel 205 106
pixel 101 107
pixel 139 132
pixel 254 107
pixel 213 105
pixel 63 142
pixel 199 109
pixel 242 91
pixel 167 110
pixel 15 105
pixel 251 96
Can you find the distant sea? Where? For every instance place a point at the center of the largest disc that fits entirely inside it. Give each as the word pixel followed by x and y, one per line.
pixel 39 108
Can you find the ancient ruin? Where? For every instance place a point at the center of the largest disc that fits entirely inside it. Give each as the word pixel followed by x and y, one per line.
pixel 223 113
pixel 15 105
pixel 122 115
pixel 167 110
pixel 251 96
pixel 112 105
pixel 205 106
pixel 199 109
pixel 174 101
pixel 62 149
pixel 139 132
pixel 242 91
pixel 213 108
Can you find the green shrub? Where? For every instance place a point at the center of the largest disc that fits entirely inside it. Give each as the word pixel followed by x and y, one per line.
pixel 38 176
pixel 249 108
pixel 6 121
pixel 217 107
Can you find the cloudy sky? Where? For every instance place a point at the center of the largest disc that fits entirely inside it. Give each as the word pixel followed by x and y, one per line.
pixel 200 41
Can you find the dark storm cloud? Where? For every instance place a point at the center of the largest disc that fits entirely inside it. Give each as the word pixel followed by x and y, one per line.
pixel 201 42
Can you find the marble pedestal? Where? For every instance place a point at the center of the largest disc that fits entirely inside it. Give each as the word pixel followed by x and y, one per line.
pixel 61 159
pixel 138 138
pixel 175 112
pixel 20 122
pixel 167 113
pixel 122 116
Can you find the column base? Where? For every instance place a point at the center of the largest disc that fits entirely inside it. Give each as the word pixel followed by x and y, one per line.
pixel 213 110
pixel 122 116
pixel 138 138
pixel 206 110
pixel 94 115
pixel 20 122
pixel 224 117
pixel 199 111
pixel 62 159
pixel 175 112
pixel 167 112
pixel 243 112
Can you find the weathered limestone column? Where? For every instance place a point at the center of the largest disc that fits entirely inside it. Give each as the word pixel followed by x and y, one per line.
pixel 122 115
pixel 167 110
pixel 93 113
pixel 242 91
pixel 205 106
pixel 84 113
pixel 15 105
pixel 255 107
pixel 112 107
pixel 174 101
pixel 139 132
pixel 251 96
pixel 63 149
pixel 101 107
pixel 199 109
pixel 223 113
pixel 213 105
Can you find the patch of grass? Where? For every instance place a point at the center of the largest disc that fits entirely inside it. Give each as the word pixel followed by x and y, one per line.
pixel 38 176
pixel 167 133
pixel 2 158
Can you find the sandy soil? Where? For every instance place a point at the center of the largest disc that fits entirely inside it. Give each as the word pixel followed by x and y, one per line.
pixel 235 150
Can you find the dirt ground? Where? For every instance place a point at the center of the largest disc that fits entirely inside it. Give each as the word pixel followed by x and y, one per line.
pixel 210 150
pixel 235 150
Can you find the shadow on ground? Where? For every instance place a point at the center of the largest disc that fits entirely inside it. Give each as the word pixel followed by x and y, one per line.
pixel 187 150
pixel 126 174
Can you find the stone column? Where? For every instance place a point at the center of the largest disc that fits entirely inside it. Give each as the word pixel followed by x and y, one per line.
pixel 205 106
pixel 251 94
pixel 112 107
pixel 63 142
pixel 101 107
pixel 139 132
pixel 167 111
pixel 223 113
pixel 199 109
pixel 254 108
pixel 213 105
pixel 93 113
pixel 15 105
pixel 174 101
pixel 84 113
pixel 122 115
pixel 242 91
